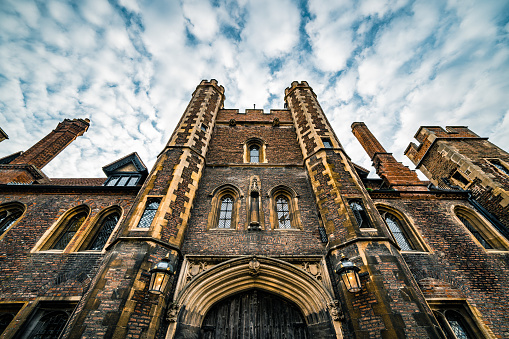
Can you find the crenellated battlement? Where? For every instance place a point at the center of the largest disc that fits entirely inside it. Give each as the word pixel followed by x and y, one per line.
pixel 426 135
pixel 213 83
pixel 297 84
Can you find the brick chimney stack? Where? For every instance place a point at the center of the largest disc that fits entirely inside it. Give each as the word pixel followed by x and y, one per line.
pixel 394 173
pixel 40 154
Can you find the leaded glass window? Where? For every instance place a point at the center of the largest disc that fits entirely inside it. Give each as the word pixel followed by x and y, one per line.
pixel 397 232
pixel 50 325
pixel 254 154
pixel 123 180
pixel 283 212
pixel 225 212
pixel 457 323
pixel 360 214
pixel 149 213
pixel 69 231
pixel 107 226
pixel 7 218
pixel 475 232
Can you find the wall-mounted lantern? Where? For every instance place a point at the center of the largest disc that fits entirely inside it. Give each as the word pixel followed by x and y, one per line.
pixel 162 272
pixel 349 273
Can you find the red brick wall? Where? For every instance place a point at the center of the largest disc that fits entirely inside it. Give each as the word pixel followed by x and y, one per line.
pixel 226 145
pixel 456 266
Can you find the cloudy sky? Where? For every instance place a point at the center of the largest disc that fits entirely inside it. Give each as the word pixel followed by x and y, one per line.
pixel 131 66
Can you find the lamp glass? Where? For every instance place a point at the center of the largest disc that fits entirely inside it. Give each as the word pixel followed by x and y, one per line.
pixel 158 282
pixel 352 281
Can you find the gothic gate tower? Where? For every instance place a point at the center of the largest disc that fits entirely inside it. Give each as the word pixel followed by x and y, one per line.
pixel 258 208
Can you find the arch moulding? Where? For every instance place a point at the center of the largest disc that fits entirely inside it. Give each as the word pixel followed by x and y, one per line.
pixel 234 276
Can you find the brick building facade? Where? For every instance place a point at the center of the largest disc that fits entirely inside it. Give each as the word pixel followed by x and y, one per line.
pixel 258 215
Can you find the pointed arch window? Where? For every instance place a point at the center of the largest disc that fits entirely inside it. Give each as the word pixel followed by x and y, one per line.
pixel 106 227
pixel 406 236
pixel 226 212
pixel 224 206
pixel 9 214
pixel 283 212
pixel 254 151
pixel 397 231
pixel 70 229
pixel 457 319
pixel 482 231
pixel 47 320
pixel 360 214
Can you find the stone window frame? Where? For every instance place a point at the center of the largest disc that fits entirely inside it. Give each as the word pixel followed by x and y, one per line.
pixel 140 209
pixel 52 234
pixel 412 236
pixel 92 231
pixel 262 146
pixel 472 322
pixel 29 316
pixel 360 201
pixel 484 227
pixel 293 206
pixel 215 206
pixel 12 208
pixel 460 179
pixel 327 143
pixel 501 162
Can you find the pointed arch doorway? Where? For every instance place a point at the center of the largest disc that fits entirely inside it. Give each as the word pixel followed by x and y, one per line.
pixel 254 314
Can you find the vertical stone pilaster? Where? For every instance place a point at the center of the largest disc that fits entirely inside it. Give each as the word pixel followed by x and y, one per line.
pixel 371 313
pixel 118 303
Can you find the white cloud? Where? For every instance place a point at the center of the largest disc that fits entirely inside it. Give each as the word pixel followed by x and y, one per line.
pixel 394 64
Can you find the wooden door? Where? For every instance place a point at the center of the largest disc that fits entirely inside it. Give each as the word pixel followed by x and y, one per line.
pixel 254 315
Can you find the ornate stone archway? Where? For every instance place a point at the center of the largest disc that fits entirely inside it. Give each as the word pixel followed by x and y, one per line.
pixel 191 304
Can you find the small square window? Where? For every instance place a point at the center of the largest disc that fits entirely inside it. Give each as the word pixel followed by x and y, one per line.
pixel 327 143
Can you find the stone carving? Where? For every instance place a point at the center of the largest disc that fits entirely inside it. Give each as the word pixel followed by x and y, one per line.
pixel 254 186
pixel 254 267
pixel 335 310
pixel 172 312
pixel 275 122
pixel 233 122
pixel 195 268
pixel 314 269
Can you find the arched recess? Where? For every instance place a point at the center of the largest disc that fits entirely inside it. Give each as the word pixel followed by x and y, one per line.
pixel 10 214
pixel 254 146
pixel 481 230
pixel 407 228
pixel 242 274
pixel 218 195
pixel 287 193
pixel 70 221
pixel 100 226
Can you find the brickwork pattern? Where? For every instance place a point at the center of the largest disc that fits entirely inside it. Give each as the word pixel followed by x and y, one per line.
pixel 27 276
pixel 254 115
pixel 226 145
pixel 457 267
pixel 202 241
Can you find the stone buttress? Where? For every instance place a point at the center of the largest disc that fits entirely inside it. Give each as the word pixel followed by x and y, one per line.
pixel 390 304
pixel 118 304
